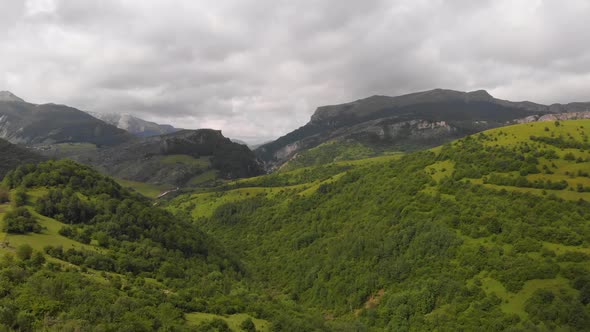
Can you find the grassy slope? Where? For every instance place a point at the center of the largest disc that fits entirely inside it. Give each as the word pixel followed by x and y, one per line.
pixel 50 237
pixel 233 321
pixel 329 152
pixel 514 136
pixel 146 189
pixel 204 204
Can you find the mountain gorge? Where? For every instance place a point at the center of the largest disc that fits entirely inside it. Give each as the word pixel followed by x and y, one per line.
pixel 187 157
pixel 405 123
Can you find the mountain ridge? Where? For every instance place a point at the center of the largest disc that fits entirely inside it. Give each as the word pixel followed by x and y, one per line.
pixel 407 122
pixel 135 125
pixel 30 124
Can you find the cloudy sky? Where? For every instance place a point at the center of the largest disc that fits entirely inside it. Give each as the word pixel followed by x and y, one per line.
pixel 258 69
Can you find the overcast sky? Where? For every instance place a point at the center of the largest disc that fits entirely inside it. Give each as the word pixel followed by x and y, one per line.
pixel 258 69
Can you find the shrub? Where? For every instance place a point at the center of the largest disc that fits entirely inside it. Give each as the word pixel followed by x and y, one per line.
pixel 20 221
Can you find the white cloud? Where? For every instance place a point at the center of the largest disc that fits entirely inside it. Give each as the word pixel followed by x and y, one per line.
pixel 260 68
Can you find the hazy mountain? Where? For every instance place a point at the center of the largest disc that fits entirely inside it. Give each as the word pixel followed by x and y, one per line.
pixel 9 96
pixel 406 122
pixel 180 158
pixel 134 125
pixel 26 123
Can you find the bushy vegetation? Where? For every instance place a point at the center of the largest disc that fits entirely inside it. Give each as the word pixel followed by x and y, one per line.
pixel 329 152
pixel 157 266
pixel 21 221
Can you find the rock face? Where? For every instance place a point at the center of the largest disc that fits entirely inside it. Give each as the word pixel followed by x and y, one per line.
pixel 134 125
pixel 26 123
pixel 408 122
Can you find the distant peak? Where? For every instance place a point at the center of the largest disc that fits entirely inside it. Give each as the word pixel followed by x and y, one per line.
pixel 480 94
pixel 9 96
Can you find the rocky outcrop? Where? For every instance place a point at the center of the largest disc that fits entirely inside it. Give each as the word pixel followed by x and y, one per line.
pixel 555 117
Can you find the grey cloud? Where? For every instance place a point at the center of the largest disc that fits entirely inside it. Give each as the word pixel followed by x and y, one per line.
pixel 260 68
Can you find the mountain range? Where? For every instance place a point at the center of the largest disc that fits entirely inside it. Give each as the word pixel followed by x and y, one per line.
pixel 408 122
pixel 486 232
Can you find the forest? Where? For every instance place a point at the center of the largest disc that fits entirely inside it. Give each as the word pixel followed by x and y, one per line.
pixel 488 232
pixel 472 235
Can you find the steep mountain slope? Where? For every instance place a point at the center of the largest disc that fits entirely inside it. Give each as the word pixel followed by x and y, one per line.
pixel 407 122
pixel 25 123
pixel 80 253
pixel 490 232
pixel 12 156
pixel 187 157
pixel 134 125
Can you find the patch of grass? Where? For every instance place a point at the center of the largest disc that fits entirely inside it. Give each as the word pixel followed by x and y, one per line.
pixel 204 177
pixel 440 169
pixel 234 321
pixel 515 302
pixel 329 152
pixel 202 162
pixel 146 189
pixel 49 236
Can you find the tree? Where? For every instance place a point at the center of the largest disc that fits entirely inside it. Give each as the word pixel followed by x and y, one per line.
pixel 20 197
pixel 248 325
pixel 4 196
pixel 20 221
pixel 24 252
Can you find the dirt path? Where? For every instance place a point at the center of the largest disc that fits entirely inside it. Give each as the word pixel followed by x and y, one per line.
pixel 372 301
pixel 167 192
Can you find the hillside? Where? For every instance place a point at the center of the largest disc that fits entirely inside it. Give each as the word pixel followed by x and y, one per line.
pixel 405 123
pixel 134 125
pixel 26 123
pixel 184 158
pixel 12 156
pixel 80 253
pixel 490 232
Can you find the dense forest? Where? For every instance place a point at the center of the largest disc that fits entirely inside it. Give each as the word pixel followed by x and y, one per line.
pixel 116 263
pixel 488 232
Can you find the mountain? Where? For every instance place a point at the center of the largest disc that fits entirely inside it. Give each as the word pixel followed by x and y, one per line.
pixel 26 123
pixel 490 232
pixel 13 156
pixel 134 125
pixel 186 157
pixel 9 96
pixel 406 123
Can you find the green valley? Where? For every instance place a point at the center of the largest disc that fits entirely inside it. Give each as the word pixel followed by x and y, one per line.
pixel 488 232
pixel 491 231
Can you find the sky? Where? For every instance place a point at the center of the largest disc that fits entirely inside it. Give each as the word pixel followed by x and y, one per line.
pixel 257 69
